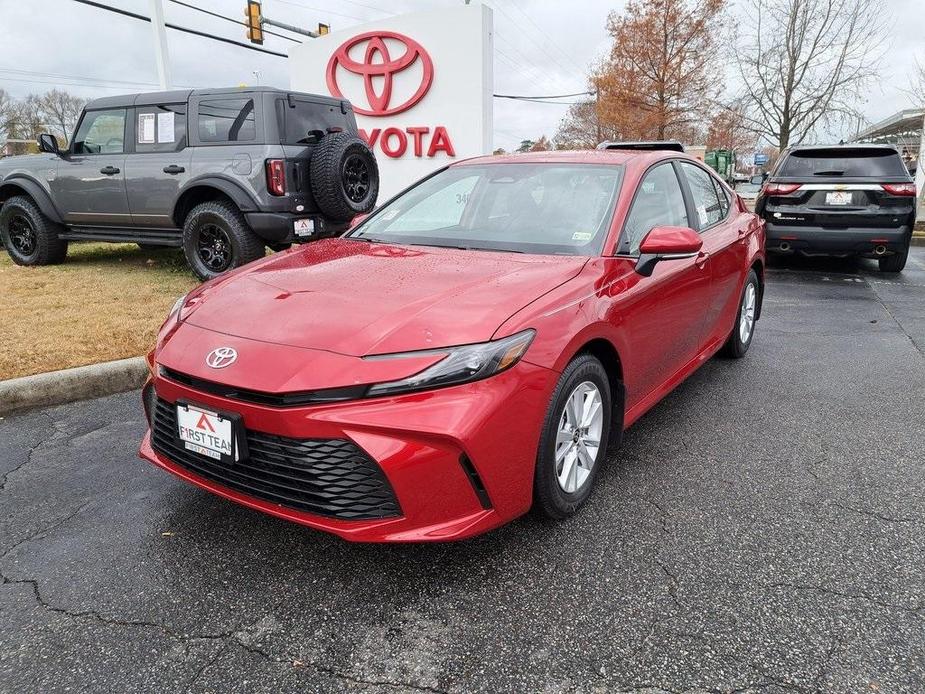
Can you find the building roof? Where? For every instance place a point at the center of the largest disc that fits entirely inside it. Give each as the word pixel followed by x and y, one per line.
pixel 906 122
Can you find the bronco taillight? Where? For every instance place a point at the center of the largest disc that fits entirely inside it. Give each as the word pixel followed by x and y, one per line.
pixel 781 188
pixel 276 176
pixel 899 188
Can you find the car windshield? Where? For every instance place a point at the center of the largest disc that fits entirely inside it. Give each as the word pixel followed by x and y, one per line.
pixel 858 162
pixel 528 208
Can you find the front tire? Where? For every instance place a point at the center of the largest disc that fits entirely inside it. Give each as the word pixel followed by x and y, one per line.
pixel 895 262
pixel 744 329
pixel 217 239
pixel 29 236
pixel 573 443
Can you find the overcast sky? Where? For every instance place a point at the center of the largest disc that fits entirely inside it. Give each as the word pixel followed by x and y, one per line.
pixel 542 47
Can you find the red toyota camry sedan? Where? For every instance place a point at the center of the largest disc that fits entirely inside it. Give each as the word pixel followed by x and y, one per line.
pixel 464 353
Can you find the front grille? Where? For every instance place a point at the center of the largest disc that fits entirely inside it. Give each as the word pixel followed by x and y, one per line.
pixel 299 399
pixel 327 477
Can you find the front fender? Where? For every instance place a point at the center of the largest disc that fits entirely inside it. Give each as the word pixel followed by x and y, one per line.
pixel 34 189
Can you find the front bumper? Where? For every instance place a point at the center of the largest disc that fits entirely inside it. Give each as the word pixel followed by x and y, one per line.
pixel 816 240
pixel 428 445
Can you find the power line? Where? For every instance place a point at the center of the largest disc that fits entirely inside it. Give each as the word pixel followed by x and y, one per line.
pixel 187 30
pixel 232 20
pixel 548 96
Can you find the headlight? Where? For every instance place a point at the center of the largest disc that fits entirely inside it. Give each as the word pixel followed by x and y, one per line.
pixel 460 365
pixel 176 307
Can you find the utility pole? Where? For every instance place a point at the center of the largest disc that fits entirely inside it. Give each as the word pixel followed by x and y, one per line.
pixel 160 44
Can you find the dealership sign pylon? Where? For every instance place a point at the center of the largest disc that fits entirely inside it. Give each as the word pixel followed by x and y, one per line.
pixel 420 85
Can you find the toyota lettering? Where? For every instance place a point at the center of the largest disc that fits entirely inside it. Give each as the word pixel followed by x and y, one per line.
pixel 411 65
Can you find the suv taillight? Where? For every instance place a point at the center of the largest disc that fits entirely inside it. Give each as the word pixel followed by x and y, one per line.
pixel 781 188
pixel 899 188
pixel 276 176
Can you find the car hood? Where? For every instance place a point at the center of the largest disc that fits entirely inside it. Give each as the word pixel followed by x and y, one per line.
pixel 357 298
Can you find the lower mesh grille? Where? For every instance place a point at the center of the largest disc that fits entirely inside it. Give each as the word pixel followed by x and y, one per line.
pixel 327 477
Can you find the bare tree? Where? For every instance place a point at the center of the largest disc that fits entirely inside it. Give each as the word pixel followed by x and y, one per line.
pixel 805 63
pixel 581 128
pixel 60 111
pixel 917 84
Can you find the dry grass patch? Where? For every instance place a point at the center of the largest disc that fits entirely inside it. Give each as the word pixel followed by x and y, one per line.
pixel 105 302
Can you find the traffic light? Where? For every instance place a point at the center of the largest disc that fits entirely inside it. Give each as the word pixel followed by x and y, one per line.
pixel 323 29
pixel 254 21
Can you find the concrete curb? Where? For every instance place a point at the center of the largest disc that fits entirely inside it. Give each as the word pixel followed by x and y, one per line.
pixel 918 237
pixel 68 385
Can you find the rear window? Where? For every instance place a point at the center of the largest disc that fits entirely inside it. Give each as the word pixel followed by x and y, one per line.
pixel 227 120
pixel 298 120
pixel 843 162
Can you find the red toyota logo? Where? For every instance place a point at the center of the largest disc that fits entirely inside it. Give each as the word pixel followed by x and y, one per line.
pixel 378 62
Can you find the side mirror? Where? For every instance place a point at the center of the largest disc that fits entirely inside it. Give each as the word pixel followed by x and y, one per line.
pixel 49 144
pixel 666 243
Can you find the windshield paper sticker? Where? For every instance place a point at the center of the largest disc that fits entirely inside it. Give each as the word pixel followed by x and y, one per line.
pixel 165 130
pixel 582 236
pixel 146 129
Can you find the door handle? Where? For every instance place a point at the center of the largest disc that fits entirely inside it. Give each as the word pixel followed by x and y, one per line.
pixel 174 169
pixel 701 259
pixel 109 170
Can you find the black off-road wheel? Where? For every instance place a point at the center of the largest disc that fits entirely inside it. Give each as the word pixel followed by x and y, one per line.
pixel 29 236
pixel 217 239
pixel 573 443
pixel 344 177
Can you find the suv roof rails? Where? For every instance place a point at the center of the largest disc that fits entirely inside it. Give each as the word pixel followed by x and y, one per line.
pixel 650 146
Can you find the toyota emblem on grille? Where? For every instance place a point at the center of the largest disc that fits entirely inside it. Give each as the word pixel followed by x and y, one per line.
pixel 221 357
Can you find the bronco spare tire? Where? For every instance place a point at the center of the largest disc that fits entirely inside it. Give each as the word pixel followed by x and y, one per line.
pixel 344 176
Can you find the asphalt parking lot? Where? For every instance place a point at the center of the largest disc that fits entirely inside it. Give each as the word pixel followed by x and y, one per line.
pixel 761 530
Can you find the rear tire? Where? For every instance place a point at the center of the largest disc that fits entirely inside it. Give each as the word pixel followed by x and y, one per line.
pixel 344 176
pixel 744 329
pixel 29 236
pixel 217 239
pixel 894 263
pixel 567 462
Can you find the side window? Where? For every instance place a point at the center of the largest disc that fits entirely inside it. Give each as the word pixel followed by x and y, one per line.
pixel 101 132
pixel 658 202
pixel 706 201
pixel 723 198
pixel 160 128
pixel 227 120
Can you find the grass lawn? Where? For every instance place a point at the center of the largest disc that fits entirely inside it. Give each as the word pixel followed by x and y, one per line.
pixel 105 302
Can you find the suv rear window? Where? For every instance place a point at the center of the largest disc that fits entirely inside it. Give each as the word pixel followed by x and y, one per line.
pixel 843 162
pixel 302 117
pixel 227 120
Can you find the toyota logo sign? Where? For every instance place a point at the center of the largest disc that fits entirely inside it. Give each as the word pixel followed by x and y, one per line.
pixel 221 357
pixel 378 63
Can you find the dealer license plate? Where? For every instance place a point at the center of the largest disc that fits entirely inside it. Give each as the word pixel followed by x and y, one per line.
pixel 838 198
pixel 205 432
pixel 304 227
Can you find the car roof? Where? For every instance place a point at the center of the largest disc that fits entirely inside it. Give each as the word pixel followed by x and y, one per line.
pixel 582 156
pixel 180 95
pixel 859 145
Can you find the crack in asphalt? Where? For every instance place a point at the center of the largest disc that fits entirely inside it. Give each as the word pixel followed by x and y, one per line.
pixel 872 514
pixel 58 433
pixel 825 590
pixel 902 328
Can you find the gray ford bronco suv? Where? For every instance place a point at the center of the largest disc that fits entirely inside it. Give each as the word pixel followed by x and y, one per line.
pixel 221 172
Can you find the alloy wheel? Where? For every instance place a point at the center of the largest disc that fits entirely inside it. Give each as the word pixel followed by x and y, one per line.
pixel 747 317
pixel 214 248
pixel 578 436
pixel 22 235
pixel 356 178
